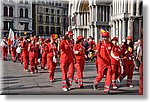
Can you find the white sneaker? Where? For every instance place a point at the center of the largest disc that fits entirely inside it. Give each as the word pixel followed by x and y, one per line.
pixel 65 89
pixel 27 70
pixel 115 87
pixel 131 86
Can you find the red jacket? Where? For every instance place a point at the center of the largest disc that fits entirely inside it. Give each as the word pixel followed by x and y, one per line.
pixel 116 51
pixel 80 56
pixel 67 54
pixel 33 50
pixel 51 50
pixel 103 57
pixel 24 46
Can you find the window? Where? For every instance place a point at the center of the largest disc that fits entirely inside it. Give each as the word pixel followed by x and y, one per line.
pixel 21 1
pixel 5 11
pixel 26 26
pixel 52 30
pixel 5 25
pixel 52 20
pixel 41 18
pixel 10 0
pixel 11 12
pixel 47 30
pixel 26 13
pixel 46 10
pixel 21 13
pixel 52 11
pixel 26 1
pixel 47 19
pixel 58 30
pixel 58 20
pixel 58 12
pixel 40 29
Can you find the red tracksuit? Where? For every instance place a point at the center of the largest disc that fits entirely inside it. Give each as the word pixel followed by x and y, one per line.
pixel 33 53
pixel 4 49
pixel 44 49
pixel 50 63
pixel 104 61
pixel 115 64
pixel 80 62
pixel 128 67
pixel 25 54
pixel 67 62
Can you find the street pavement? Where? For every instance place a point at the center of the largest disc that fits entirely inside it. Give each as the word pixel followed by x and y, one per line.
pixel 16 81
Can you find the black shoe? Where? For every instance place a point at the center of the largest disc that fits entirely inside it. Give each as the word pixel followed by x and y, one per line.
pixel 107 92
pixel 81 87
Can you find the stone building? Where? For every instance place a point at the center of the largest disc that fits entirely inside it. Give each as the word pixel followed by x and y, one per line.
pixel 18 11
pixel 49 17
pixel 126 19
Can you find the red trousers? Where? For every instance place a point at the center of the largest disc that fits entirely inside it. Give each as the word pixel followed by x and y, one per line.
pixel 13 53
pixel 43 60
pixel 67 73
pixel 4 51
pixel 116 71
pixel 101 75
pixel 19 57
pixel 141 79
pixel 128 68
pixel 79 72
pixel 33 62
pixel 25 61
pixel 51 68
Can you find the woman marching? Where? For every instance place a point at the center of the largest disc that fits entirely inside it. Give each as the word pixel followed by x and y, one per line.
pixel 128 64
pixel 67 61
pixel 51 58
pixel 79 52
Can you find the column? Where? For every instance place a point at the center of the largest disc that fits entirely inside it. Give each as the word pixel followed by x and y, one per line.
pixel 116 6
pixel 114 29
pixel 100 12
pixel 93 15
pixel 91 31
pixel 103 14
pixel 81 19
pixel 120 32
pixel 83 33
pixel 106 13
pixel 85 20
pixel 131 26
pixel 96 13
pixel 78 18
pixel 140 27
pixel 95 37
pixel 138 7
pixel 90 14
pixel 117 30
pixel 132 7
pixel 123 29
pixel 125 6
pixel 78 32
pixel 113 7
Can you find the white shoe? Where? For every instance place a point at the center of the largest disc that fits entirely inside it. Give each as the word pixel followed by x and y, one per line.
pixel 27 70
pixel 131 86
pixel 65 89
pixel 115 87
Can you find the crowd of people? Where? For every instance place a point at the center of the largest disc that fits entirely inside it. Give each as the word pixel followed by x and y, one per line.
pixel 112 60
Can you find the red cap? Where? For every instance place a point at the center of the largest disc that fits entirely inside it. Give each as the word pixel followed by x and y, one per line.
pixel 129 38
pixel 69 33
pixel 115 39
pixel 105 34
pixel 80 37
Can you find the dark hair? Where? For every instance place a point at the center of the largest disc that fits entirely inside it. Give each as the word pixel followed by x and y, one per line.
pixel 78 41
pixel 66 37
pixel 130 45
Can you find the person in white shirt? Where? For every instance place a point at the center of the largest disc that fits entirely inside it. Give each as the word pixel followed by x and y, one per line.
pixel 4 48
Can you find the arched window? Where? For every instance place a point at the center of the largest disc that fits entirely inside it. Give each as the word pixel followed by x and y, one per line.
pixel 11 12
pixel 21 13
pixel 5 11
pixel 41 18
pixel 26 13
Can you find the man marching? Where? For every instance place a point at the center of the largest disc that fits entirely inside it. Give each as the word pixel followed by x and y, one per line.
pixel 104 62
pixel 79 52
pixel 67 61
pixel 51 58
pixel 115 62
pixel 14 46
pixel 4 48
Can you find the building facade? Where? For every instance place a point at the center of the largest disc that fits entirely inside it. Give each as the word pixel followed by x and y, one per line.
pixel 120 17
pixel 127 19
pixel 20 13
pixel 87 17
pixel 49 17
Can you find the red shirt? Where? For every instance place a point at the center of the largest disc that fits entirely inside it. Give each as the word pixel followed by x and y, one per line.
pixel 33 50
pixel 80 56
pixel 51 50
pixel 24 46
pixel 67 54
pixel 103 57
pixel 117 51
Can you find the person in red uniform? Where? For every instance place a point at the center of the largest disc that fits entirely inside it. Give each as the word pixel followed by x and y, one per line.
pixel 79 52
pixel 4 48
pixel 13 49
pixel 67 61
pixel 104 62
pixel 128 64
pixel 51 58
pixel 115 62
pixel 32 49
pixel 25 53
